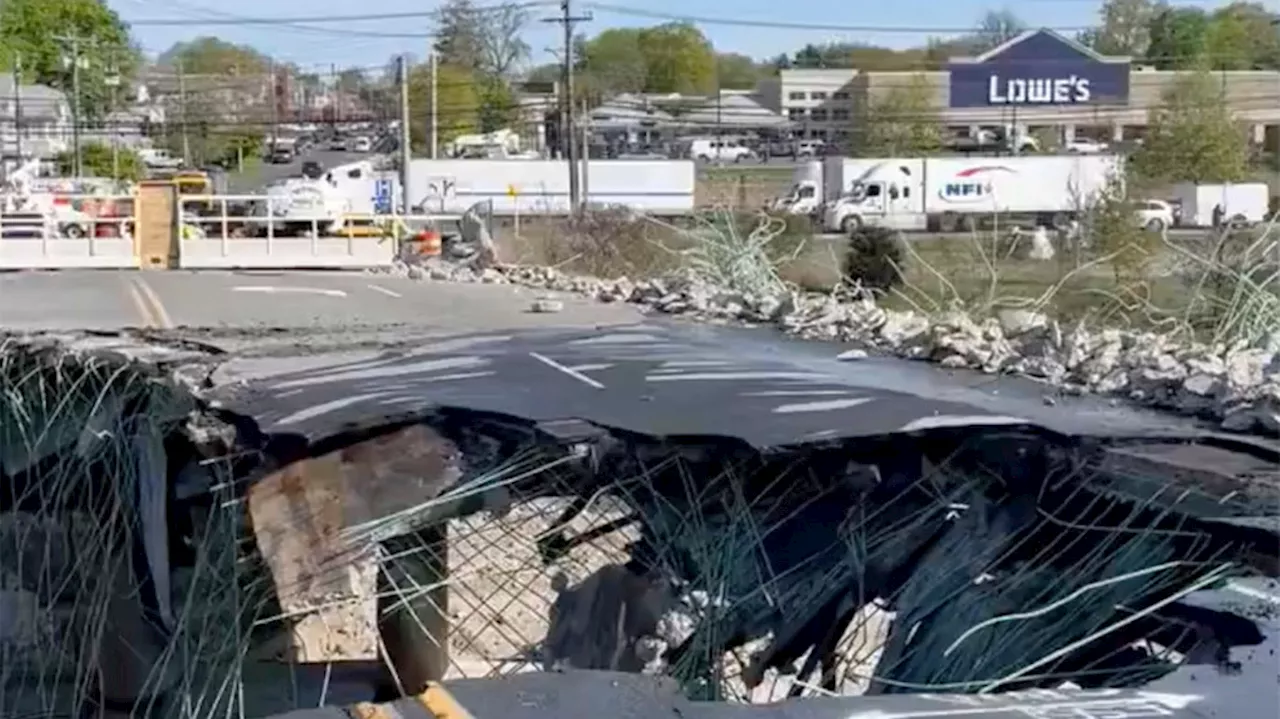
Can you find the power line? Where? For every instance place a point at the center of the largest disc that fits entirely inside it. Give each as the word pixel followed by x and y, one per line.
pixel 362 17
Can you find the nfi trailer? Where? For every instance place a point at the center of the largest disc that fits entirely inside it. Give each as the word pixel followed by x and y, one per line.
pixel 948 194
pixel 541 187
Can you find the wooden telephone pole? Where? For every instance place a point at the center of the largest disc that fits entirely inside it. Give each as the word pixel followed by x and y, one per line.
pixel 567 137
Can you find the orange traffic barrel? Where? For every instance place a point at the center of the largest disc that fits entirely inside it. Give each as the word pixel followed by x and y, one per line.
pixel 427 243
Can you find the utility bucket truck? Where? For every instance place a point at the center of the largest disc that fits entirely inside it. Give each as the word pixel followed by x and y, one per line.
pixel 948 194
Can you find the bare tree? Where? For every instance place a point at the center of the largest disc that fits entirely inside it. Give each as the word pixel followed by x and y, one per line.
pixel 485 40
pixel 996 28
pixel 502 41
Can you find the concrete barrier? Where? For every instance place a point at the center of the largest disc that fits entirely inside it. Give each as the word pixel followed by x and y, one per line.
pixel 48 253
pixel 299 253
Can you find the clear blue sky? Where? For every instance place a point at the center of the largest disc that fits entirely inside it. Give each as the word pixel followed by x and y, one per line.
pixel 319 44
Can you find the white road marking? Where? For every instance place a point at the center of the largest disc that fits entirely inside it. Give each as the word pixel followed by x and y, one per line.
pixel 269 289
pixel 566 370
pixel 825 406
pixel 737 376
pixel 385 291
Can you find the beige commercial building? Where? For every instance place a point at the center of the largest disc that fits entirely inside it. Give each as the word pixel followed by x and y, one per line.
pixel 823 104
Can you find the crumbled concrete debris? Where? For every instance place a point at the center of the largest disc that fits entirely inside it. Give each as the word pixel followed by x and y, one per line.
pixel 1238 386
pixel 546 306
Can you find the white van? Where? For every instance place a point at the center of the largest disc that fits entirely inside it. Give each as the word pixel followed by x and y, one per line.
pixel 724 150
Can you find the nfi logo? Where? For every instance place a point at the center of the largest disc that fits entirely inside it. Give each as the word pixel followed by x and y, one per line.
pixel 976 184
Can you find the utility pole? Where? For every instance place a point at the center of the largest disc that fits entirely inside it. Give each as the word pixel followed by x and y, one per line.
pixel 182 106
pixel 273 94
pixel 335 95
pixel 435 106
pixel 17 103
pixel 114 81
pixel 586 151
pixel 74 43
pixel 567 19
pixel 402 68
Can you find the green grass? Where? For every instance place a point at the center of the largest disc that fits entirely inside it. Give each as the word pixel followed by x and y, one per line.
pixel 1168 289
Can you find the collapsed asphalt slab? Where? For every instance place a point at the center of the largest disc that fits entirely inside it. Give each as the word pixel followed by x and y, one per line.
pixel 987 474
pixel 660 379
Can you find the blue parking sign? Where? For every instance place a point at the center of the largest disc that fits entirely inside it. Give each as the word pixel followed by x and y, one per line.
pixel 382 196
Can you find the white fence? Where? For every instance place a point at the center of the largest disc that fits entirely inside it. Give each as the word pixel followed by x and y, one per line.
pixel 218 231
pixel 211 232
pixel 286 252
pixel 56 230
pixel 51 253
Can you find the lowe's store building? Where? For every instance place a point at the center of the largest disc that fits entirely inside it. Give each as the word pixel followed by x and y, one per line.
pixel 1037 81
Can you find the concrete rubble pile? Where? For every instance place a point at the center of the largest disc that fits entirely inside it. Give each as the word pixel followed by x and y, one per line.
pixel 964 558
pixel 1237 386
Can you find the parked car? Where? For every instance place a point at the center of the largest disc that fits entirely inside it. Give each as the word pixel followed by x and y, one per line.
pixel 1155 215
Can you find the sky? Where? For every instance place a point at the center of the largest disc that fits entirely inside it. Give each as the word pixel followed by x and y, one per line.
pixel 370 43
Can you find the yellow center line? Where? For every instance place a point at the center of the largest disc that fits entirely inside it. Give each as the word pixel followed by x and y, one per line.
pixel 157 307
pixel 140 304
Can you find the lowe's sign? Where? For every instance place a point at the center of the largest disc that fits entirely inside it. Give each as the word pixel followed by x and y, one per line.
pixel 1039 68
pixel 1038 91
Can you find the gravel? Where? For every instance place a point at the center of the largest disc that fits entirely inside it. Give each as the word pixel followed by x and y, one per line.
pixel 1237 386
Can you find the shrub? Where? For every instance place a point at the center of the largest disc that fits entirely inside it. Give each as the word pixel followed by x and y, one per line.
pixel 875 259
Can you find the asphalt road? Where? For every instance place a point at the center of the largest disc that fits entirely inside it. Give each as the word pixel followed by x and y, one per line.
pixel 330 301
pixel 259 177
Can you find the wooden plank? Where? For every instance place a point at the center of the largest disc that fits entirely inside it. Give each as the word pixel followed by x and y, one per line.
pixel 326 580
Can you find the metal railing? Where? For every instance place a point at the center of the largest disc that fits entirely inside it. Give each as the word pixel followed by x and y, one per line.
pixel 55 230
pixel 247 231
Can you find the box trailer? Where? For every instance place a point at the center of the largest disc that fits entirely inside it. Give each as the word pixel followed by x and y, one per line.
pixel 1242 204
pixel 946 194
pixel 541 187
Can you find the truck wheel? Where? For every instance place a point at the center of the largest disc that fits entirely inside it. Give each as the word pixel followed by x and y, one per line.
pixel 966 223
pixel 1238 221
pixel 1060 221
pixel 73 232
pixel 1155 224
pixel 703 158
pixel 850 224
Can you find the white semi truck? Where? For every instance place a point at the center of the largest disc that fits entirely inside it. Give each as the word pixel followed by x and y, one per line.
pixel 948 193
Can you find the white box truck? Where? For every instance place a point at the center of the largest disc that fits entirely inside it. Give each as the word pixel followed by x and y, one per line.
pixel 1242 203
pixel 950 193
pixel 541 187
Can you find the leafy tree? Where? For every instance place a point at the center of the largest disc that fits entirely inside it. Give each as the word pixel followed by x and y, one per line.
pixel 214 56
pixel 1193 135
pixel 1178 38
pixel 904 122
pixel 497 104
pixel 36 31
pixel 457 105
pixel 1243 36
pixel 736 72
pixel 678 58
pixel 99 159
pixel 615 62
pixel 1125 27
pixel 858 55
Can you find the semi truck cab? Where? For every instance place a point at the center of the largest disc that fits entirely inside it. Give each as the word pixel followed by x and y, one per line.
pixel 804 198
pixel 877 201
